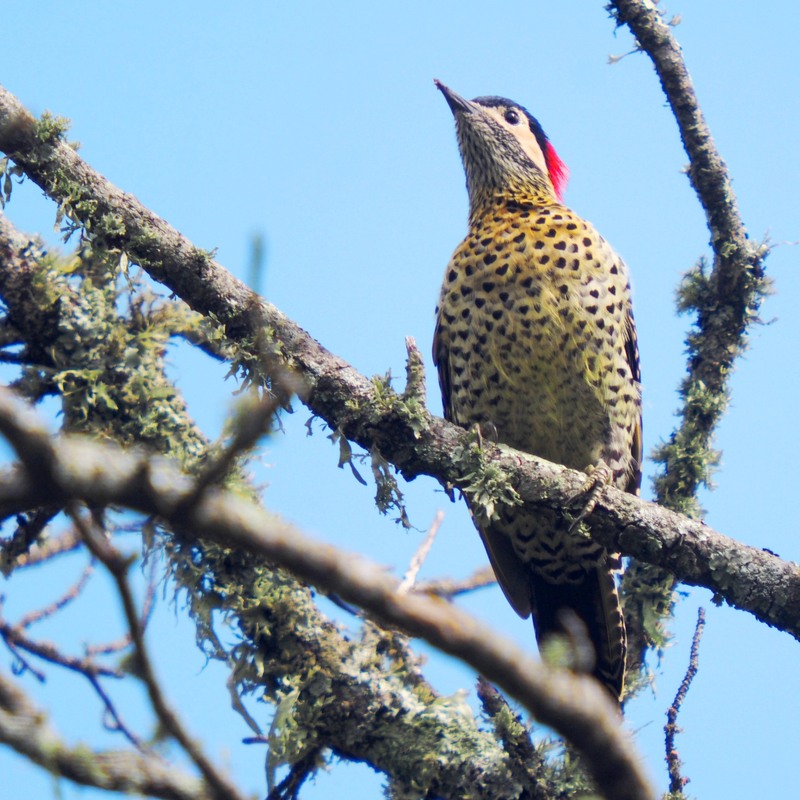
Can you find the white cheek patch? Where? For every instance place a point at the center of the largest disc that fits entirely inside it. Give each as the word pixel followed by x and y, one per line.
pixel 524 135
pixel 531 148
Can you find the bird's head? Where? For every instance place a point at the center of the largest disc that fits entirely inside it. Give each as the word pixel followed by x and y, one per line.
pixel 503 148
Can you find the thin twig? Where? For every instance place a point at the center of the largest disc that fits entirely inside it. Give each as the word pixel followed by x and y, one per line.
pixel 71 594
pixel 448 588
pixel 124 641
pixel 119 725
pixel 16 549
pixel 421 554
pixel 67 542
pixel 16 639
pixel 22 665
pixel 118 565
pixel 26 728
pixel 676 780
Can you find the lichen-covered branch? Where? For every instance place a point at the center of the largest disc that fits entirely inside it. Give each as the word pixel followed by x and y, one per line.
pixel 724 300
pixel 574 705
pixel 677 781
pixel 371 414
pixel 24 727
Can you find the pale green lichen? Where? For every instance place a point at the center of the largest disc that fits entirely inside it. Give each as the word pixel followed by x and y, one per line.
pixel 50 128
pixel 387 490
pixel 8 170
pixel 487 486
pixel 107 360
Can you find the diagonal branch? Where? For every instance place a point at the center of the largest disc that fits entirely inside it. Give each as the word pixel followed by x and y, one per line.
pixel 725 301
pixel 24 727
pixel 708 172
pixel 573 705
pixel 379 419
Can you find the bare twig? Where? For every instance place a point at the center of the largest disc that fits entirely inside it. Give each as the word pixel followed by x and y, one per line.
pixel 125 640
pixel 22 665
pixel 113 720
pixel 67 542
pixel 71 594
pixel 409 579
pixel 117 566
pixel 25 728
pixel 15 637
pixel 17 641
pixel 449 588
pixel 16 550
pixel 676 781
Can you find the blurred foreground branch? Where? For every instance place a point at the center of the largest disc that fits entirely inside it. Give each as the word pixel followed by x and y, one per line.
pixel 75 469
pixel 24 727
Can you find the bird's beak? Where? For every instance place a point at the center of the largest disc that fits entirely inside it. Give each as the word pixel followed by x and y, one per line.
pixel 456 102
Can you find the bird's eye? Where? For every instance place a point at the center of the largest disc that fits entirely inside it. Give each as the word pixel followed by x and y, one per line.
pixel 511 116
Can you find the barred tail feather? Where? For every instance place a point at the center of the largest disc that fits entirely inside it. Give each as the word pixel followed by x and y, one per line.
pixel 596 602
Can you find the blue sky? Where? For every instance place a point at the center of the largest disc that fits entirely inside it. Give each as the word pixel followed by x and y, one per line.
pixel 318 126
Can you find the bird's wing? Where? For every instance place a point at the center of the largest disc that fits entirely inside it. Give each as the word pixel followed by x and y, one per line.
pixel 511 572
pixel 441 362
pixel 632 353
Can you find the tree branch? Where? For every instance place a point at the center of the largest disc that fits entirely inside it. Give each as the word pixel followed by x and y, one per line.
pixel 725 302
pixel 219 784
pixel 677 782
pixel 24 727
pixel 574 705
pixel 376 417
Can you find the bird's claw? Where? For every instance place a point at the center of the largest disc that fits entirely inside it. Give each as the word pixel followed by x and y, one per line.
pixel 484 431
pixel 599 477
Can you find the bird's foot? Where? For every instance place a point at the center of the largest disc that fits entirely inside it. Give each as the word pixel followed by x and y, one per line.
pixel 484 431
pixel 599 477
pixel 489 432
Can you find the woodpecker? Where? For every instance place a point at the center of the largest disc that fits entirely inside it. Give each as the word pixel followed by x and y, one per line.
pixel 535 346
